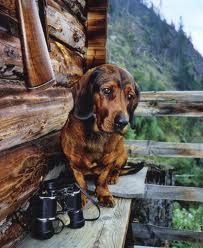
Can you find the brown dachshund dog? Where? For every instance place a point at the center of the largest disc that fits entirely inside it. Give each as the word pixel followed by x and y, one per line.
pixel 92 139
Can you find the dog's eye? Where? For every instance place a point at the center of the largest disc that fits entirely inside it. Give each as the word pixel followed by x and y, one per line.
pixel 130 96
pixel 106 91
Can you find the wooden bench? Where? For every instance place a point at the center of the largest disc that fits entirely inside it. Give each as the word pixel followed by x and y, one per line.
pixel 108 231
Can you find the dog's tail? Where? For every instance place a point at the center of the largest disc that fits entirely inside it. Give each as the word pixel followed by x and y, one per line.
pixel 131 168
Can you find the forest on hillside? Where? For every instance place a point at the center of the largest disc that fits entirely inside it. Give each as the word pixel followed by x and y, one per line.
pixel 161 58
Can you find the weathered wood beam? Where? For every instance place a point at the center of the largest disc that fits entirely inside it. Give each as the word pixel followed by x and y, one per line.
pixel 147 231
pixel 25 116
pixel 67 65
pixel 23 169
pixel 164 149
pixel 178 193
pixel 171 103
pixel 62 25
pixel 75 7
pixel 96 32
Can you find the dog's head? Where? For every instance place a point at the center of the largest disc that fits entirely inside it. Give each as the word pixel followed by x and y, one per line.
pixel 110 94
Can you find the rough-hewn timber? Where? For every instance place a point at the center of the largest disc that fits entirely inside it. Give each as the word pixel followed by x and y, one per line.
pixel 164 149
pixel 96 32
pixel 62 25
pixel 25 116
pixel 177 193
pixel 22 170
pixel 171 103
pixel 67 64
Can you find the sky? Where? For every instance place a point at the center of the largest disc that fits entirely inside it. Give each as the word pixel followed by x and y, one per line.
pixel 191 12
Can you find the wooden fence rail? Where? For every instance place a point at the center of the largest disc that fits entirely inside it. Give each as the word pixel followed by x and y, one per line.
pixel 164 149
pixel 171 103
pixel 179 193
pixel 146 231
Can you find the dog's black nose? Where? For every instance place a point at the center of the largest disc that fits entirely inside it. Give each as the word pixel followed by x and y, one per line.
pixel 120 121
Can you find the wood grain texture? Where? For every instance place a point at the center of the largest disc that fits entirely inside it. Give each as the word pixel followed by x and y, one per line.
pixel 23 168
pixel 66 28
pixel 11 64
pixel 25 116
pixel 164 149
pixel 171 103
pixel 178 193
pixel 75 7
pixel 62 23
pixel 96 32
pixel 67 65
pixel 148 231
pixel 37 64
pixel 107 232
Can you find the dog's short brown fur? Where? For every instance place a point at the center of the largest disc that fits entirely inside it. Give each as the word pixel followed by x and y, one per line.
pixel 92 139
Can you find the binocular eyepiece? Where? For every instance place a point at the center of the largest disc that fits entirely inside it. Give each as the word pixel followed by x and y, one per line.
pixel 44 208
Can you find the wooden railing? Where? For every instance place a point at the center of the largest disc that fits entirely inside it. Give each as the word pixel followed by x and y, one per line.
pixel 168 103
pixel 171 103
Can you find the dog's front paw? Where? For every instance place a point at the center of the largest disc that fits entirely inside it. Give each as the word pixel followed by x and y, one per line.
pixel 106 201
pixel 113 179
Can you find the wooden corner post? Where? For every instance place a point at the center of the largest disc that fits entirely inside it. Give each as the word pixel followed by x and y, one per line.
pixel 96 32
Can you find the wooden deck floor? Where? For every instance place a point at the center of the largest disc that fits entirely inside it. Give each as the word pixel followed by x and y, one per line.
pixel 108 231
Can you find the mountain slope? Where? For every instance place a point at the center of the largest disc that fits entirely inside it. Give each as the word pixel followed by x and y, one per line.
pixel 158 56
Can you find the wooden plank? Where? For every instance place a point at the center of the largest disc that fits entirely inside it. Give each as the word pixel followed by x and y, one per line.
pixel 164 149
pixel 25 116
pixel 172 96
pixel 108 231
pixel 67 65
pixel 171 103
pixel 129 186
pixel 150 231
pixel 178 193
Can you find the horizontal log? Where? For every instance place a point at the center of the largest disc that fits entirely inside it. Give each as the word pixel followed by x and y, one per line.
pixel 22 169
pixel 67 65
pixel 62 24
pixel 147 231
pixel 171 103
pixel 164 149
pixel 25 116
pixel 75 7
pixel 66 28
pixel 178 193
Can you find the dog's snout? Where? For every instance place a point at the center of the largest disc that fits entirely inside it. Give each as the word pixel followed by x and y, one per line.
pixel 120 121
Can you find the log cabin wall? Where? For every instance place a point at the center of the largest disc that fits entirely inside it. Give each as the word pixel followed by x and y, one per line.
pixel 30 121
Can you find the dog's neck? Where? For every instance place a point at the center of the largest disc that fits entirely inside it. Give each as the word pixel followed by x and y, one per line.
pixel 91 129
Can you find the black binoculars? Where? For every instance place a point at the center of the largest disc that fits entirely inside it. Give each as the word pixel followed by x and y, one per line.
pixel 44 211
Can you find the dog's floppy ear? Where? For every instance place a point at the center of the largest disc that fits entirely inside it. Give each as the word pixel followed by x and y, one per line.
pixel 83 108
pixel 133 106
pixel 83 100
